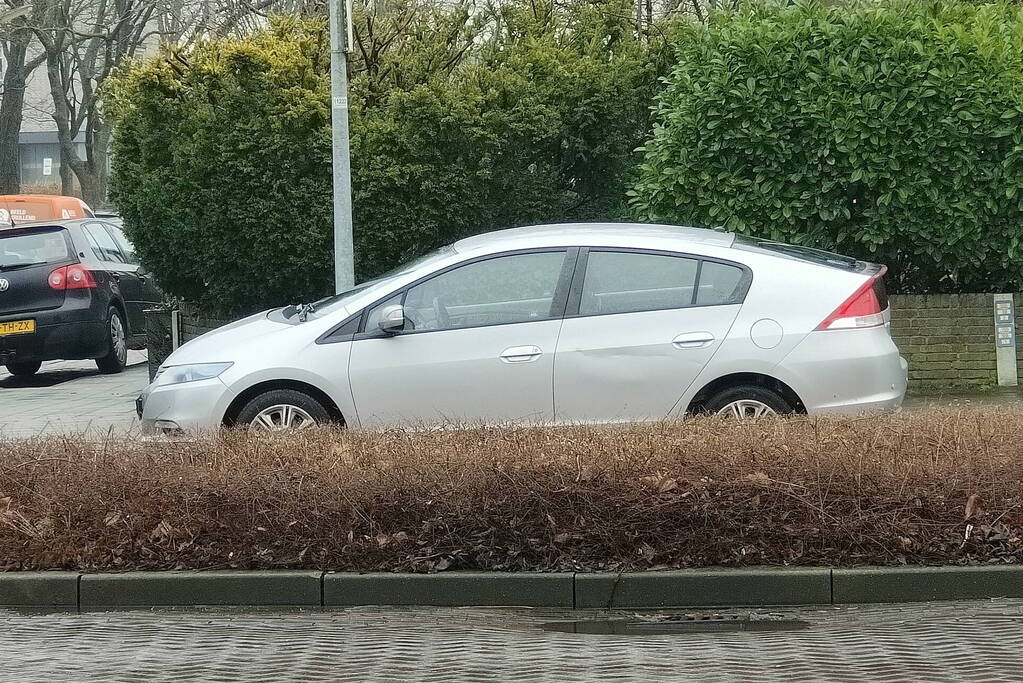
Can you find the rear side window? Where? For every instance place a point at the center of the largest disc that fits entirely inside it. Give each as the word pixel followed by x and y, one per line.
pixel 21 249
pixel 628 282
pixel 720 283
pixel 103 245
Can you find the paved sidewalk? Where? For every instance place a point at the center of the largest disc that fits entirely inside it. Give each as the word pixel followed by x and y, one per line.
pixel 966 641
pixel 72 397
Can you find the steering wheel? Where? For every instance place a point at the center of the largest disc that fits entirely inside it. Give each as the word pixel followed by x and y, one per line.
pixel 441 314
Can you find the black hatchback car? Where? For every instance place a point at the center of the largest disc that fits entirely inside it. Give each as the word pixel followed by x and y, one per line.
pixel 70 290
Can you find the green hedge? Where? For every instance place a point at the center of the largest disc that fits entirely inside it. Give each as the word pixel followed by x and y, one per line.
pixel 222 154
pixel 891 131
pixel 222 169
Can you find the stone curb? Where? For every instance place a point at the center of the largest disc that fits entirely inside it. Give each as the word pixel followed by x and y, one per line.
pixel 636 590
pixel 920 584
pixel 39 588
pixel 201 588
pixel 704 588
pixel 454 589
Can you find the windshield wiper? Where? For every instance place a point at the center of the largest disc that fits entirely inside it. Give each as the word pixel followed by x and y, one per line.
pixel 302 310
pixel 18 266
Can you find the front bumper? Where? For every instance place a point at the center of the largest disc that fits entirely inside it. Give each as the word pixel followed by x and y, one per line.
pixel 188 406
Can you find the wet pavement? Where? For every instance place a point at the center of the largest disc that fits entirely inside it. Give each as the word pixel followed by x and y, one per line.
pixel 72 397
pixel 1005 397
pixel 967 641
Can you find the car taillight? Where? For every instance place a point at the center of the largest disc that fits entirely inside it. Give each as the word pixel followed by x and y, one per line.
pixel 865 308
pixel 71 277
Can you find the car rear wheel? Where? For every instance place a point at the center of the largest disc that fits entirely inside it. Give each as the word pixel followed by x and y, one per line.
pixel 117 338
pixel 24 369
pixel 747 402
pixel 282 409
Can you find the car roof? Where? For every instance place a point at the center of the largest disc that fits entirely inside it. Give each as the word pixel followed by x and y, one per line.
pixel 636 235
pixel 52 222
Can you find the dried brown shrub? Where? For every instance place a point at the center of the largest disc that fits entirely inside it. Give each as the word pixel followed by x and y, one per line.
pixel 922 488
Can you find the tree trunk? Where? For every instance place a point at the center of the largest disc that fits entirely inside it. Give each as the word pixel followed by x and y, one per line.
pixel 67 184
pixel 91 179
pixel 12 104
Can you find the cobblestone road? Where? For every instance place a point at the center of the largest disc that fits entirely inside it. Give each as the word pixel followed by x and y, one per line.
pixel 975 641
pixel 72 397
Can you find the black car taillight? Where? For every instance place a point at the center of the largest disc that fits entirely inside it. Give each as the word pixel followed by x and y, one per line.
pixel 75 276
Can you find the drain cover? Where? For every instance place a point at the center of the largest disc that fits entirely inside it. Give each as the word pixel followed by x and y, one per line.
pixel 645 627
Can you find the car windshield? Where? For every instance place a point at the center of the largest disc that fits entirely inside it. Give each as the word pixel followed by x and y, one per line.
pixel 337 301
pixel 20 249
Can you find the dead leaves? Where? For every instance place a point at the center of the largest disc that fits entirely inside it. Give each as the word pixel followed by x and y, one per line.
pixel 660 482
pixel 801 492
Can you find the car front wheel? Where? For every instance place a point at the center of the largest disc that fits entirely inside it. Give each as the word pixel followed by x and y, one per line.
pixel 282 409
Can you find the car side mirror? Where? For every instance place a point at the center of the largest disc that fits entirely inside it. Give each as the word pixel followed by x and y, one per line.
pixel 392 319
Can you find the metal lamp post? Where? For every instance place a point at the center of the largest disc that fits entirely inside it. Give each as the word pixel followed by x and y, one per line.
pixel 340 43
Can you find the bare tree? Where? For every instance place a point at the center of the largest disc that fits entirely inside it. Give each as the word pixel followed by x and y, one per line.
pixel 84 42
pixel 18 63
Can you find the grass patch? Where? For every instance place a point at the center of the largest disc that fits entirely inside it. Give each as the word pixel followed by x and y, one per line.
pixel 925 488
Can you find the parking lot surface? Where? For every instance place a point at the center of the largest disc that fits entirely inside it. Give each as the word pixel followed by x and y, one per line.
pixel 967 641
pixel 72 397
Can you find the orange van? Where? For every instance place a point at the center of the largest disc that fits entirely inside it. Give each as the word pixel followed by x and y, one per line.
pixel 25 208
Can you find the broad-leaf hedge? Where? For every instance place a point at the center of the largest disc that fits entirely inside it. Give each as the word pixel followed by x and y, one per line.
pixel 222 154
pixel 891 131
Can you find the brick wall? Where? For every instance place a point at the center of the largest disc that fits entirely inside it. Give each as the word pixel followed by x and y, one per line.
pixel 195 323
pixel 948 340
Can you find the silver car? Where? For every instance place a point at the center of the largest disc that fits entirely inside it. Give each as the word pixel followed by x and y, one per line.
pixel 576 323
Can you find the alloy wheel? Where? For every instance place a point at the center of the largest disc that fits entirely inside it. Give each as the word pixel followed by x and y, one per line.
pixel 118 339
pixel 281 417
pixel 746 409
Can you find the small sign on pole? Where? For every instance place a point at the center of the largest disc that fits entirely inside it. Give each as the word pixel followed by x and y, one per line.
pixel 349 29
pixel 1005 340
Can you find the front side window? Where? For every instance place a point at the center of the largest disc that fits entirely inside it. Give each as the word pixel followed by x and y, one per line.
pixel 628 282
pixel 126 248
pixel 507 289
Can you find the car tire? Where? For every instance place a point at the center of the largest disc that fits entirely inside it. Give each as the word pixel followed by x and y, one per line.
pixel 282 409
pixel 746 401
pixel 23 369
pixel 117 345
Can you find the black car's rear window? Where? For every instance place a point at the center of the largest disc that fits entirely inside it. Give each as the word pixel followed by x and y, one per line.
pixel 19 249
pixel 801 253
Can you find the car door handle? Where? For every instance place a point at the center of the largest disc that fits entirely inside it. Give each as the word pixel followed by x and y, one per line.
pixel 693 340
pixel 521 354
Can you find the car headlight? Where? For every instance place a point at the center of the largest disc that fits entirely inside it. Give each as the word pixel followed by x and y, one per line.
pixel 177 374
